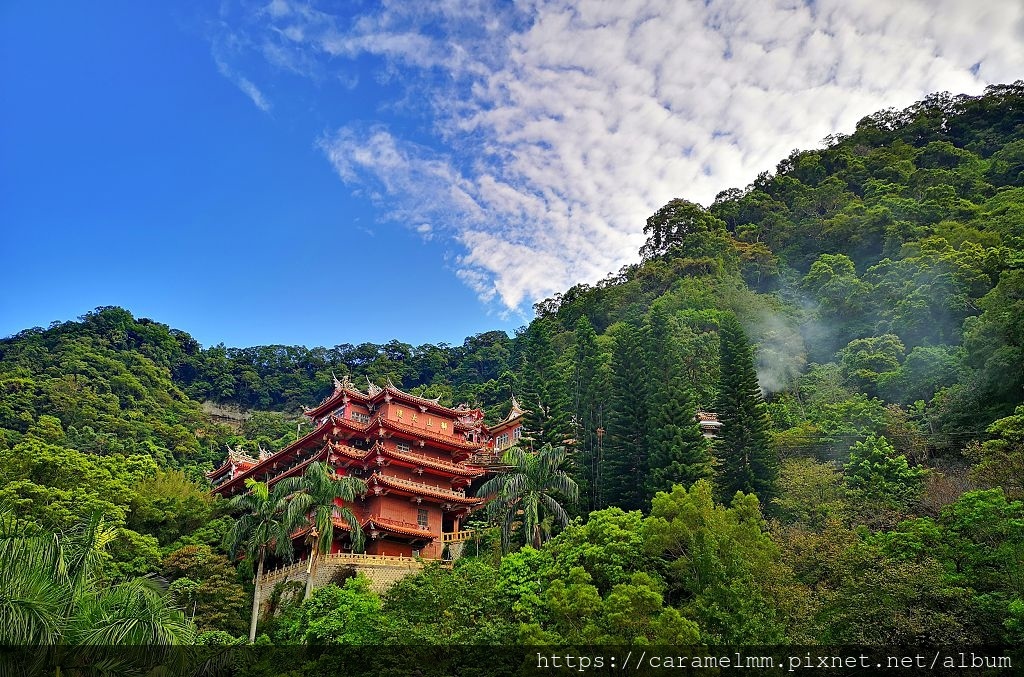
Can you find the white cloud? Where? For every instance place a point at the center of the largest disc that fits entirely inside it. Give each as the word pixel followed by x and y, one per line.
pixel 560 126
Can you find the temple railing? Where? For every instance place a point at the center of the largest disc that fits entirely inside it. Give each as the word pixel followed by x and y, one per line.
pixel 457 536
pixel 484 459
pixel 359 558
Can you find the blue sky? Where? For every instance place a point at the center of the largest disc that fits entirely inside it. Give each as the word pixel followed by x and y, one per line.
pixel 276 172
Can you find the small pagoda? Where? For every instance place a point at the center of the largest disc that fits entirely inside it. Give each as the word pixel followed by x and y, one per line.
pixel 419 460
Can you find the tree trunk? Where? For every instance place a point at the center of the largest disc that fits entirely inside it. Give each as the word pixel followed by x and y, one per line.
pixel 256 600
pixel 310 572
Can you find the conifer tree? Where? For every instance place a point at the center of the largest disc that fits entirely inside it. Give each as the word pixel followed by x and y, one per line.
pixel 543 390
pixel 747 462
pixel 677 450
pixel 588 395
pixel 625 464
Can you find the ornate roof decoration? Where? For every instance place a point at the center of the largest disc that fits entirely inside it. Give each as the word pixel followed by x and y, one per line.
pixel 516 410
pixel 238 455
pixel 372 388
pixel 515 413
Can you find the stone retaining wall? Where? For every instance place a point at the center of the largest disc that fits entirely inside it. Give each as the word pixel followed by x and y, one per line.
pixel 382 572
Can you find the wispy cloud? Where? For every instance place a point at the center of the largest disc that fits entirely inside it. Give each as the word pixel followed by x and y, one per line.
pixel 560 126
pixel 244 84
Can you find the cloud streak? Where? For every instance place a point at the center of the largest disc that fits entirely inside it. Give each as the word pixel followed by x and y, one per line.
pixel 558 127
pixel 244 84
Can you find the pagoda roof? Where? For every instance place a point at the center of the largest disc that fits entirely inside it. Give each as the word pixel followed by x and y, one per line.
pixel 368 521
pixel 435 404
pixel 253 469
pixel 708 418
pixel 420 489
pixel 373 521
pixel 407 457
pixel 434 437
pixel 514 414
pixel 376 393
pixel 236 458
pixel 378 422
pixel 341 388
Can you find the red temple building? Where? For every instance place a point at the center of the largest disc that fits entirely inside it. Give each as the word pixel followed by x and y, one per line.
pixel 419 460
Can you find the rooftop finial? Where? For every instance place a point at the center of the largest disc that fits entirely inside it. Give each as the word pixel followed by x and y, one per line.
pixel 516 411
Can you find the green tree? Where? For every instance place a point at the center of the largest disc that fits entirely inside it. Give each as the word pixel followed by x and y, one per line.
pixel 533 484
pixel 609 546
pixel 809 492
pixel 889 600
pixel 876 471
pixel 52 593
pixel 681 224
pixel 1001 459
pixel 626 456
pixel 544 395
pixel 747 462
pixel 350 615
pixel 677 451
pixel 168 505
pixel 864 362
pixel 265 527
pixel 723 569
pixel 589 394
pixel 206 585
pixel 322 491
pixel 464 605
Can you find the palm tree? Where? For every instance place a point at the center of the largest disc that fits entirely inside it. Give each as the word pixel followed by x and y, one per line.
pixel 52 593
pixel 529 488
pixel 320 488
pixel 270 517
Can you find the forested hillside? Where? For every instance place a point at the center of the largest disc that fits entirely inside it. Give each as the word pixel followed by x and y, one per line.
pixel 855 319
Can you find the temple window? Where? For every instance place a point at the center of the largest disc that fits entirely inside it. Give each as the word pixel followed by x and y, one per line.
pixel 403 447
pixel 422 518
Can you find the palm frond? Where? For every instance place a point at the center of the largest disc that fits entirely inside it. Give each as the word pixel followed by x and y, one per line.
pixel 556 510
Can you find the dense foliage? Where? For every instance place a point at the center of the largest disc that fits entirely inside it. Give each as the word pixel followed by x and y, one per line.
pixel 856 318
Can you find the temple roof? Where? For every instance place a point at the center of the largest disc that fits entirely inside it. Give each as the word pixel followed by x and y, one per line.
pixel 514 414
pixel 419 488
pixel 236 459
pixel 410 458
pixel 375 393
pixel 368 522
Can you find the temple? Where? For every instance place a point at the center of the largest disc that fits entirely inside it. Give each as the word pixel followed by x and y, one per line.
pixel 709 424
pixel 418 458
